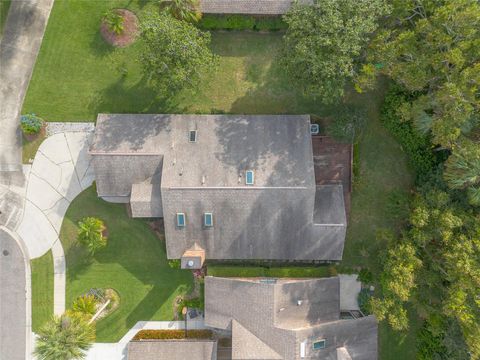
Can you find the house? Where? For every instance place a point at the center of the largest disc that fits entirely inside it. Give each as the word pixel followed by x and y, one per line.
pixel 287 319
pixel 172 350
pixel 227 186
pixel 248 7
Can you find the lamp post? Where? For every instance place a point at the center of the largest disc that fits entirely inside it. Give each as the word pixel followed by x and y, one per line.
pixel 184 313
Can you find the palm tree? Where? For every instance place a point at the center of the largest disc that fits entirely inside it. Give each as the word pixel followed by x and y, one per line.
pixel 186 10
pixel 114 21
pixel 85 304
pixel 90 234
pixel 64 337
pixel 462 170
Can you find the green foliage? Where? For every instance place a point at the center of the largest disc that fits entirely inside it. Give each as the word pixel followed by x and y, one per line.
pixel 172 334
pixel 174 263
pixel 175 54
pixel 347 123
pixel 86 304
pixel 184 10
pixel 65 337
pixel 114 21
pixel 365 276
pixel 364 297
pixel 30 124
pixel 90 234
pixel 324 40
pixel 418 147
pixel 241 22
pixel 432 48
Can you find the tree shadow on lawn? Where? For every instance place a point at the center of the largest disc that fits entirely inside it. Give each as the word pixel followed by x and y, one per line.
pixel 137 99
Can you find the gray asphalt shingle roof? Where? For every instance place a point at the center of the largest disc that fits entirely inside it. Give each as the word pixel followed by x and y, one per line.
pixel 172 350
pixel 251 7
pixel 275 318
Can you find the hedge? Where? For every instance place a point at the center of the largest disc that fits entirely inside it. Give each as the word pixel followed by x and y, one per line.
pixel 172 334
pixel 417 146
pixel 241 22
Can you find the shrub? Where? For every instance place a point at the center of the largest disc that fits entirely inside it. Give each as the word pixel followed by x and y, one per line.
pixel 30 124
pixel 86 304
pixel 174 263
pixel 364 297
pixel 365 276
pixel 114 21
pixel 417 146
pixel 172 334
pixel 185 10
pixel 242 22
pixel 90 234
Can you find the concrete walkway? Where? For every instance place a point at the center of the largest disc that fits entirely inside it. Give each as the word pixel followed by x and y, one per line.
pixel 118 351
pixel 60 171
pixel 349 289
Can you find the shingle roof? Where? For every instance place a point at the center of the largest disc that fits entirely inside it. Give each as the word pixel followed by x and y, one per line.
pixel 275 317
pixel 252 7
pixel 172 350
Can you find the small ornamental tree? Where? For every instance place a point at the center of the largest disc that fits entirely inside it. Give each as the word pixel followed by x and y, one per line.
pixel 186 10
pixel 90 234
pixel 30 124
pixel 175 54
pixel 65 337
pixel 114 21
pixel 86 304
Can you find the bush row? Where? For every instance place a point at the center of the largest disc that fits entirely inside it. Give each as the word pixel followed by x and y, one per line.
pixel 241 22
pixel 172 334
pixel 417 146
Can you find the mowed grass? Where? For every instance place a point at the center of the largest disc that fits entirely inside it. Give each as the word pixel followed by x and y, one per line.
pixel 4 7
pixel 134 263
pixel 42 290
pixel 78 75
pixel 279 272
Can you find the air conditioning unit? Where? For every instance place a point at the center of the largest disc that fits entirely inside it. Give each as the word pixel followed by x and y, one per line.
pixel 314 129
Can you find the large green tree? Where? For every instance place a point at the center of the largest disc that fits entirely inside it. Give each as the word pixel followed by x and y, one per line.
pixel 432 48
pixel 323 41
pixel 64 338
pixel 186 10
pixel 445 284
pixel 175 54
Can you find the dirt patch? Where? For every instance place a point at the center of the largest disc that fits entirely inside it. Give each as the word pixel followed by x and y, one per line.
pixel 129 33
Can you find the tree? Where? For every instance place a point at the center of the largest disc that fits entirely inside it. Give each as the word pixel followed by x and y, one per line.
pixel 431 48
pixel 65 337
pixel 90 234
pixel 186 10
pixel 85 304
pixel 175 54
pixel 114 21
pixel 324 40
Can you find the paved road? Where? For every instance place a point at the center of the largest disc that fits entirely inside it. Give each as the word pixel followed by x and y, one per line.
pixel 12 300
pixel 22 37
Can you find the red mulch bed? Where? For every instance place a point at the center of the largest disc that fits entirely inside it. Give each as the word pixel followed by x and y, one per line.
pixel 41 133
pixel 130 30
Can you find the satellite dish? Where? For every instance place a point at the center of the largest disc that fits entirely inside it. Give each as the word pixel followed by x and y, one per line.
pixel 190 263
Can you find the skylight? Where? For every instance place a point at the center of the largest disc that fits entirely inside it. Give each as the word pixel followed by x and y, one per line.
pixel 181 220
pixel 192 136
pixel 249 177
pixel 318 345
pixel 208 219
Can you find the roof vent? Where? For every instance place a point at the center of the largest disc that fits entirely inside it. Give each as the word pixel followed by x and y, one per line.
pixel 190 263
pixel 249 177
pixel 192 136
pixel 299 302
pixel 203 179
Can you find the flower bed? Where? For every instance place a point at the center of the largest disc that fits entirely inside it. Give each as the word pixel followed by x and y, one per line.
pixel 172 334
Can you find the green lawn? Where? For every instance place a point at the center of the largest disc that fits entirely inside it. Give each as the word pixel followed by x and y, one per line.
pixel 77 76
pixel 133 263
pixel 4 6
pixel 279 272
pixel 42 290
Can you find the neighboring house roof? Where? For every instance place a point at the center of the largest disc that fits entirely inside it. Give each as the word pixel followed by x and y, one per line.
pixel 271 319
pixel 172 350
pixel 249 7
pixel 283 216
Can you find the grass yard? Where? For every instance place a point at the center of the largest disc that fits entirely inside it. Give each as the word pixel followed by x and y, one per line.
pixel 77 75
pixel 4 6
pixel 42 290
pixel 133 263
pixel 279 272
